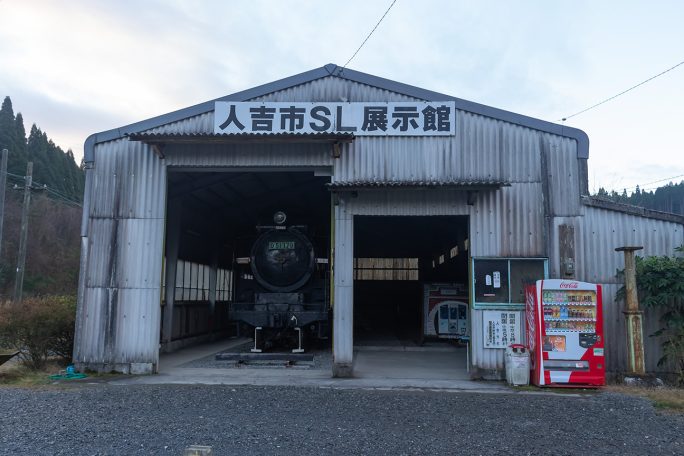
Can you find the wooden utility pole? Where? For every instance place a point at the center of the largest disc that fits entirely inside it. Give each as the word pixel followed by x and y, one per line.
pixel 635 333
pixel 21 261
pixel 3 184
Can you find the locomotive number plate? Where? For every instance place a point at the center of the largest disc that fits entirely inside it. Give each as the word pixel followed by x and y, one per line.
pixel 281 245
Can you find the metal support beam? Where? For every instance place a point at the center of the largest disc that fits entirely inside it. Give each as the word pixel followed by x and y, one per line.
pixel 635 332
pixel 173 231
pixel 343 310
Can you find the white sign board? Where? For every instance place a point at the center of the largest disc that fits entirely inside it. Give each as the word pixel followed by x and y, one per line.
pixel 435 118
pixel 501 328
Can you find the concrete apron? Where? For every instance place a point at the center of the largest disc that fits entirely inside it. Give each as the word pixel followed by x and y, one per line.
pixel 374 367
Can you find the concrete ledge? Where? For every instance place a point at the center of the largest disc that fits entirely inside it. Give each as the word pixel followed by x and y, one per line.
pixel 343 370
pixel 122 368
pixel 477 373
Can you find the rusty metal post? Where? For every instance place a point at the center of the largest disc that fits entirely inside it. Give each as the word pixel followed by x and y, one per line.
pixel 633 316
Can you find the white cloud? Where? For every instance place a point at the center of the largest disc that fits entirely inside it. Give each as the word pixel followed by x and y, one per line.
pixel 83 66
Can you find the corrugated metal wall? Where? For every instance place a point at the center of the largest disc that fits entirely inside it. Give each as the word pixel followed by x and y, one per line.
pixel 333 89
pixel 563 175
pixel 508 222
pixel 119 305
pixel 249 155
pixel 603 230
pixel 483 149
pixel 597 233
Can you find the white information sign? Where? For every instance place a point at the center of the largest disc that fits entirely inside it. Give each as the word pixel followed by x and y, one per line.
pixel 501 328
pixel 434 118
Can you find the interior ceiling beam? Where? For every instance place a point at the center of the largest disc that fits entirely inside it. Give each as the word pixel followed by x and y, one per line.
pixel 201 183
pixel 259 178
pixel 220 219
pixel 200 204
pixel 232 206
pixel 232 189
pixel 279 190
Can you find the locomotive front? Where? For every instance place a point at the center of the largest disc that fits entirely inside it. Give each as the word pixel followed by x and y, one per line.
pixel 286 290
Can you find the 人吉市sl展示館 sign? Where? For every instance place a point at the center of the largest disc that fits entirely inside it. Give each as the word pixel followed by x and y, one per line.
pixel 434 118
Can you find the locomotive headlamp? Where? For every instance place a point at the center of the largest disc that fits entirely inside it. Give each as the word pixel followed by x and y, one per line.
pixel 279 217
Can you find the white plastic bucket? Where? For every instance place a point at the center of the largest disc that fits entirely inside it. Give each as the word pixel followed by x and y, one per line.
pixel 517 365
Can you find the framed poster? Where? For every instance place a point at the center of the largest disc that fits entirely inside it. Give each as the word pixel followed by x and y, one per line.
pixel 501 328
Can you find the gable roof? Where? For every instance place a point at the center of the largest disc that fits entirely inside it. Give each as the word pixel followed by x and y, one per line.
pixel 351 75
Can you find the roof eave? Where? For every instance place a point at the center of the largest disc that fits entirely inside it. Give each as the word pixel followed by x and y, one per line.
pixel 351 75
pixel 202 108
pixel 470 106
pixel 600 203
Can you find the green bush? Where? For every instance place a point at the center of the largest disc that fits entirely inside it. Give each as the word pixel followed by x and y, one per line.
pixel 39 328
pixel 660 285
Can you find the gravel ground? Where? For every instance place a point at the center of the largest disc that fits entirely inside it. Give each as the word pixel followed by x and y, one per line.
pixel 107 419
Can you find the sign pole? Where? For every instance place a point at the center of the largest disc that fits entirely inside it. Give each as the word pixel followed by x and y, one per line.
pixel 21 261
pixel 3 184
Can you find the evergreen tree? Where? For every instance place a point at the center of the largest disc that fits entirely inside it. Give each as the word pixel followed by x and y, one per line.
pixel 668 198
pixel 7 130
pixel 37 153
pixel 52 166
pixel 16 162
pixel 20 137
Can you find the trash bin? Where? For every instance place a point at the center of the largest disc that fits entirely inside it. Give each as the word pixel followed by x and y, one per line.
pixel 517 365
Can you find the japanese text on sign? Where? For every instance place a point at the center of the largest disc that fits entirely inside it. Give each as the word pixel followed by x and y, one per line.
pixel 501 328
pixel 359 119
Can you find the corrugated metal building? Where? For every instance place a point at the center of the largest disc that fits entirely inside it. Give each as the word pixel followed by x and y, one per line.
pixel 519 182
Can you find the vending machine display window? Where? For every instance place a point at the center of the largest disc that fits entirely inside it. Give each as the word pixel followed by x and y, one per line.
pixel 499 283
pixel 564 325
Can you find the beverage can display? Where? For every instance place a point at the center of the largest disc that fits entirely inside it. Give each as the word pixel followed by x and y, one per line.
pixel 570 311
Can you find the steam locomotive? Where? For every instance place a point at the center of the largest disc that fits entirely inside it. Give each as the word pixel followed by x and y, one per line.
pixel 284 294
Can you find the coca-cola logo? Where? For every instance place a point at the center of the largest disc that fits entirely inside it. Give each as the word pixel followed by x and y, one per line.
pixel 531 329
pixel 569 284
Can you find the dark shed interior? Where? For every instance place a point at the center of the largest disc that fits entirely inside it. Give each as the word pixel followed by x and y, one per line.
pixel 217 225
pixel 388 304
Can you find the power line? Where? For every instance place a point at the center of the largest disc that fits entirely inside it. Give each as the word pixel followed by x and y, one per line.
pixel 369 35
pixel 621 93
pixel 38 185
pixel 642 187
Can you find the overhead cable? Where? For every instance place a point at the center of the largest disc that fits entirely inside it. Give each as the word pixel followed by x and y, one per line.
pixel 38 186
pixel 369 35
pixel 642 187
pixel 621 93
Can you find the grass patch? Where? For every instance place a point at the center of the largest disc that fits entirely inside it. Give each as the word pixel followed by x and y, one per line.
pixel 22 376
pixel 668 399
pixel 555 390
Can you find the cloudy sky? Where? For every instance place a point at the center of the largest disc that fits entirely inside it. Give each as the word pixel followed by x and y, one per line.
pixel 82 66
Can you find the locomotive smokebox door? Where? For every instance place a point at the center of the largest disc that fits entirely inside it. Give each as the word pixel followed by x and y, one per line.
pixel 282 260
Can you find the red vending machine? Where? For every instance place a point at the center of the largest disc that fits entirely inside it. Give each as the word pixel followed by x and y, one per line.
pixel 564 324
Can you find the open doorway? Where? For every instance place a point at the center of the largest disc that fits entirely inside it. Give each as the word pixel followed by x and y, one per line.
pixel 214 286
pixel 397 261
